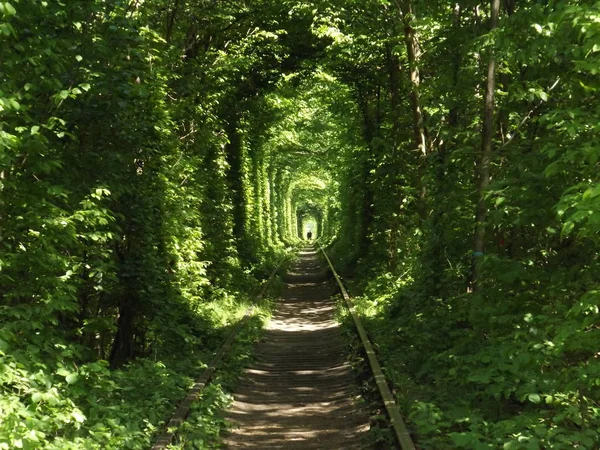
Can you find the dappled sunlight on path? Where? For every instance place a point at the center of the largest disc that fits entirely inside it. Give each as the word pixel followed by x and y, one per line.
pixel 300 392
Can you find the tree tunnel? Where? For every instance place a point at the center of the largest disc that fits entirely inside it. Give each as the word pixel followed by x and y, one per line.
pixel 309 220
pixel 303 137
pixel 158 158
pixel 311 199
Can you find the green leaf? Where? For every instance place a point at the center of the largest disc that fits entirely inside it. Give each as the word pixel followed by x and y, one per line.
pixel 78 416
pixel 534 398
pixel 462 439
pixel 568 228
pixel 6 29
pixel 9 9
pixel 72 378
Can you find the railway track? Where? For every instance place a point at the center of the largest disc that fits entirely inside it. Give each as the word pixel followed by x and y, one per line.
pixel 300 392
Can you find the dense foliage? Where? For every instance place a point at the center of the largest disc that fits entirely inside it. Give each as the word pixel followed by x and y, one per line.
pixel 479 267
pixel 135 214
pixel 156 158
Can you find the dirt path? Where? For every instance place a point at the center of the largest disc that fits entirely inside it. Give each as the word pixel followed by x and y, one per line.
pixel 300 393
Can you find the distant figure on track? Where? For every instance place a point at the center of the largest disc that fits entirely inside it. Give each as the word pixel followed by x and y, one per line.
pixel 309 235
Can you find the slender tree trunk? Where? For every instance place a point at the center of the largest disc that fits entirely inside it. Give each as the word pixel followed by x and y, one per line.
pixel 123 347
pixel 413 53
pixel 235 180
pixel 394 220
pixel 279 207
pixel 171 21
pixel 442 183
pixel 273 203
pixel 483 165
pixel 129 253
pixel 366 213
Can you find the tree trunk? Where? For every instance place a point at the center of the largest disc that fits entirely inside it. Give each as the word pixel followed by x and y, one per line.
pixel 123 346
pixel 272 210
pixel 171 21
pixel 419 132
pixel 438 223
pixel 394 220
pixel 483 165
pixel 413 52
pixel 235 179
pixel 371 130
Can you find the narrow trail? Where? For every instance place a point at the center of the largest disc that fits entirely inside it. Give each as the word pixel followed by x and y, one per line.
pixel 300 392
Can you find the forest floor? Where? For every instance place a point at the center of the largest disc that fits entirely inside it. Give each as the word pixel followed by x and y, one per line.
pixel 300 393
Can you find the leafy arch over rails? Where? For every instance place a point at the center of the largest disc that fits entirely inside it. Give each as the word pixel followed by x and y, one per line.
pixel 311 197
pixel 156 156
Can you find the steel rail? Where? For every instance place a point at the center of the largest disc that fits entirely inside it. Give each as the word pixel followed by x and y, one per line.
pixel 398 424
pixel 183 410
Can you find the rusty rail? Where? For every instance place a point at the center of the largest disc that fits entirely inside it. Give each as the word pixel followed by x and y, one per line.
pixel 397 422
pixel 193 394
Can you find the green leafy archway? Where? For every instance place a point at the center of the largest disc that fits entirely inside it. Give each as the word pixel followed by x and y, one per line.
pixel 157 159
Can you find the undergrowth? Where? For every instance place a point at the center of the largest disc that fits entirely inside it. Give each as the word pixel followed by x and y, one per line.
pixel 520 382
pixel 206 424
pixel 90 406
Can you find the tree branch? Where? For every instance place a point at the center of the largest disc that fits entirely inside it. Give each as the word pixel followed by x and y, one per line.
pixel 526 118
